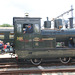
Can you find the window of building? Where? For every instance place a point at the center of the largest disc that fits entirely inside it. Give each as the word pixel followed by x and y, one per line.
pixel 1 35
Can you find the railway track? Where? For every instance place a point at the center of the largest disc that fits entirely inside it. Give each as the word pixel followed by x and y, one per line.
pixel 22 68
pixel 13 68
pixel 38 70
pixel 28 65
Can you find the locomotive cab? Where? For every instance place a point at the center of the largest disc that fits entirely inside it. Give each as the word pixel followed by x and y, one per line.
pixel 25 40
pixel 28 34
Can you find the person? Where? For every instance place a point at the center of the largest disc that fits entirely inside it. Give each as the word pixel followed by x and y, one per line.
pixel 5 46
pixel 28 29
pixel 71 43
pixel 8 45
pixel 25 30
pixel 1 46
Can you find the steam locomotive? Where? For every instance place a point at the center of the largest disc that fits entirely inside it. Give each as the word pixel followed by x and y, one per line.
pixel 37 44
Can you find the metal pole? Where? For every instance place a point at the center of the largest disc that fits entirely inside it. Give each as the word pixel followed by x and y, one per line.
pixel 72 11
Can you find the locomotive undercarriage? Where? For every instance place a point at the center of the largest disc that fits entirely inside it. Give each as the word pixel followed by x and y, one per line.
pixel 36 56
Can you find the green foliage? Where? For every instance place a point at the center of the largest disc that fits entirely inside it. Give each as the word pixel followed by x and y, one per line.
pixel 6 25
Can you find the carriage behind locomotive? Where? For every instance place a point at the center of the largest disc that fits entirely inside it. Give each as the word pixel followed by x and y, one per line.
pixel 7 36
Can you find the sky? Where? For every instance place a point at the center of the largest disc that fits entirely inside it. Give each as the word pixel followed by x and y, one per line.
pixel 35 8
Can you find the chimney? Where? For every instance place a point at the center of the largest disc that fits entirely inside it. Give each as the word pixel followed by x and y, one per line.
pixel 71 22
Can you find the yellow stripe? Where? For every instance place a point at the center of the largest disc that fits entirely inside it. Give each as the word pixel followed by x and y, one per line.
pixel 47 38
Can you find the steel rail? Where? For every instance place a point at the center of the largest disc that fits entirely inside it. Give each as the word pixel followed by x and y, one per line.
pixel 38 71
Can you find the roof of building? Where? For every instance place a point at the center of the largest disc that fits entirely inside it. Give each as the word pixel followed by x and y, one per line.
pixel 7 29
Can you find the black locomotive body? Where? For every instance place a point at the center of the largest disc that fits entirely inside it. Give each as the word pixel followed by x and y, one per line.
pixel 38 44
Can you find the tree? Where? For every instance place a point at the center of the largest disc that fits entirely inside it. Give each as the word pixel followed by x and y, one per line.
pixel 6 25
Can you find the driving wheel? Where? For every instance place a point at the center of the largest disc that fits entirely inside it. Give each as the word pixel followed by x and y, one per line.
pixel 36 61
pixel 65 60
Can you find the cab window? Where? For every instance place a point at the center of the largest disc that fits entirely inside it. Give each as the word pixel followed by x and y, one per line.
pixel 28 28
pixel 19 28
pixel 36 28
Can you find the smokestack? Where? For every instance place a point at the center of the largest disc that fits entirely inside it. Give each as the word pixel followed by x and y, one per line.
pixel 71 22
pixel 47 18
pixel 47 24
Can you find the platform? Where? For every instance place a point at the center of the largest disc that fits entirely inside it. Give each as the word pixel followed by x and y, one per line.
pixel 7 55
